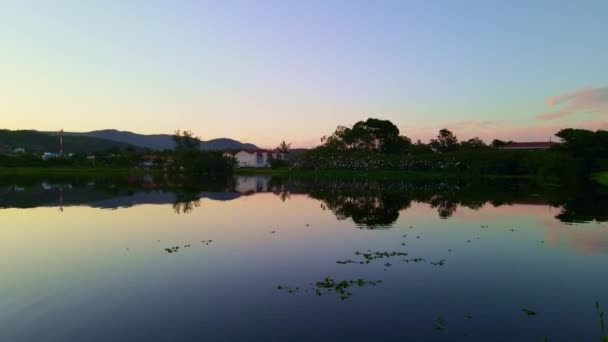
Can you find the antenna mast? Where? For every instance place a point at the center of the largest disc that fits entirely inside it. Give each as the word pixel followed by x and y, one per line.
pixel 61 142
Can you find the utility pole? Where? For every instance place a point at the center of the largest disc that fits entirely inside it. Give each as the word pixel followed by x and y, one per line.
pixel 61 142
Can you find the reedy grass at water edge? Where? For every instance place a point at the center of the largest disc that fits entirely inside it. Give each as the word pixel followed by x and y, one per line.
pixel 64 171
pixel 601 177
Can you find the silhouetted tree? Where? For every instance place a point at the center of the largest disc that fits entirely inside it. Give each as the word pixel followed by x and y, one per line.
pixel 473 143
pixel 284 147
pixel 372 135
pixel 446 141
pixel 185 141
pixel 496 143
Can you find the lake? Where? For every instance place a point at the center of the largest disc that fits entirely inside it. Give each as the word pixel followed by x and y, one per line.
pixel 257 258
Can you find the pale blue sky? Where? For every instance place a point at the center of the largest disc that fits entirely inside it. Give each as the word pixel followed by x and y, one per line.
pixel 264 71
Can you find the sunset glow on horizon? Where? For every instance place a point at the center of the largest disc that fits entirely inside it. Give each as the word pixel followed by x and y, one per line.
pixel 267 71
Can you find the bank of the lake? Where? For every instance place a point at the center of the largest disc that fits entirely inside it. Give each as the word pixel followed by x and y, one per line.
pixel 601 177
pixel 371 175
pixel 67 171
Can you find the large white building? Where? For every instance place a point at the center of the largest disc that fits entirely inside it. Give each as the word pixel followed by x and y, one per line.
pixel 254 158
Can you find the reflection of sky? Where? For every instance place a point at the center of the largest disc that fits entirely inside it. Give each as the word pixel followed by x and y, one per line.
pixel 90 272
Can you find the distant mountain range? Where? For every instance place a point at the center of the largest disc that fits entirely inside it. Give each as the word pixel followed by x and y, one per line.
pixel 77 142
pixel 34 141
pixel 160 141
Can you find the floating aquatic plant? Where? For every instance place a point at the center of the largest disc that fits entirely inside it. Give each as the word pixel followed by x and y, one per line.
pixel 415 260
pixel 439 263
pixel 288 289
pixel 440 324
pixel 330 286
pixel 172 249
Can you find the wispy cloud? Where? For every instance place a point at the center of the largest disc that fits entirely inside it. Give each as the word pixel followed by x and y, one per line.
pixel 587 100
pixel 475 124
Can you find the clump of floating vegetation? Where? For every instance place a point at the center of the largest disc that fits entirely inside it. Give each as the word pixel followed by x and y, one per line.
pixel 415 260
pixel 379 255
pixel 328 286
pixel 175 249
pixel 371 256
pixel 289 289
pixel 438 263
pixel 529 312
pixel 172 249
pixel 440 324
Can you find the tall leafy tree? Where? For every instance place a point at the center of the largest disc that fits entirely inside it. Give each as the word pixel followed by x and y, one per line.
pixel 371 135
pixel 446 141
pixel 587 146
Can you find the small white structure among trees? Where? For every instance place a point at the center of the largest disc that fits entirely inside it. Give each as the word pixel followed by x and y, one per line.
pixel 255 157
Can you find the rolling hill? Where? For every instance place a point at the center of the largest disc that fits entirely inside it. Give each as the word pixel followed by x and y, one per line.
pixel 161 141
pixel 74 142
pixel 39 142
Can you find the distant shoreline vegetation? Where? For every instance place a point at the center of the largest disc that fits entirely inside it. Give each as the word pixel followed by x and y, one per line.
pixel 373 148
pixel 376 145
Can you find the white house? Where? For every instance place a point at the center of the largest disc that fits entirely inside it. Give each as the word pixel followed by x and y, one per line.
pixel 48 156
pixel 251 185
pixel 254 158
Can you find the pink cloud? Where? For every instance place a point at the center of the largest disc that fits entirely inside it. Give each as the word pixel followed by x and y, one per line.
pixel 587 100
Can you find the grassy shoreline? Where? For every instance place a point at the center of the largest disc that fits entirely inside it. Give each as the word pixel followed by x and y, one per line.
pixel 601 177
pixel 373 175
pixel 67 171
pixel 281 173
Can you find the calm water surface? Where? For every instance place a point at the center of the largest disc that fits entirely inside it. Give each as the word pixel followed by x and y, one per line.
pixel 95 261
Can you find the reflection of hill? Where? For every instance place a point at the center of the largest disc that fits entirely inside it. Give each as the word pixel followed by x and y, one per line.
pixel 372 204
pixel 33 197
pixel 139 198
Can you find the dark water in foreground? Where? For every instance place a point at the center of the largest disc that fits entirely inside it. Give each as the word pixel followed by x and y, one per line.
pixel 262 259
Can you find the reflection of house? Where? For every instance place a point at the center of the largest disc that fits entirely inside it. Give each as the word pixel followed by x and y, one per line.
pixel 254 158
pixel 250 185
pixel 537 145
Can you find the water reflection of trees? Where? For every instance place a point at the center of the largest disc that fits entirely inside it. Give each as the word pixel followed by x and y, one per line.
pixel 445 206
pixel 590 205
pixel 377 204
pixel 371 211
pixel 371 204
pixel 185 202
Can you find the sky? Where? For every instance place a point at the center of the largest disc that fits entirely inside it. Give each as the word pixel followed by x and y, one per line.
pixel 266 71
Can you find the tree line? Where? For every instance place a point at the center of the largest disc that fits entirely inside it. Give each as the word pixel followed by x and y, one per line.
pixel 378 144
